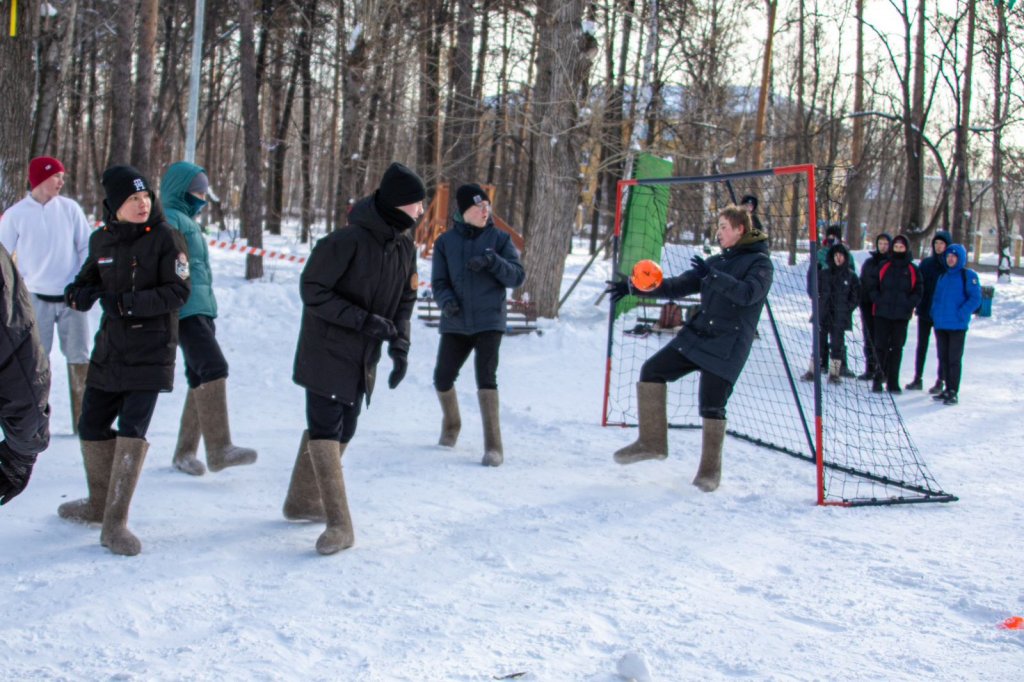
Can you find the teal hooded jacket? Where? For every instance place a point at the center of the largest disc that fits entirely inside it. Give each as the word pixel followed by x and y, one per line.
pixel 181 208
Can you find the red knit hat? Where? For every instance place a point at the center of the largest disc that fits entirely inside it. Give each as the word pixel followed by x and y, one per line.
pixel 42 167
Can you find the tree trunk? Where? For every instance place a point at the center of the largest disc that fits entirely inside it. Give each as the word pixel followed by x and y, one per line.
pixel 1000 50
pixel 459 166
pixel 142 130
pixel 961 209
pixel 305 50
pixel 16 79
pixel 766 72
pixel 123 42
pixel 252 193
pixel 857 183
pixel 913 186
pixel 564 59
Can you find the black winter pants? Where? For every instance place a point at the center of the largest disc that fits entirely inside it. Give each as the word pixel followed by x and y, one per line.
pixel 132 409
pixel 951 344
pixel 329 419
pixel 867 324
pixel 668 365
pixel 924 332
pixel 890 337
pixel 204 361
pixel 453 351
pixel 836 342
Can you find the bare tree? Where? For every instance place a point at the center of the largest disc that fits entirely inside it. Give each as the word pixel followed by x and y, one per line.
pixel 16 79
pixel 252 225
pixel 121 84
pixel 142 128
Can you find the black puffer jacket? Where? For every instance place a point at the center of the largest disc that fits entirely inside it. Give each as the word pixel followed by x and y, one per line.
pixel 897 290
pixel 931 268
pixel 368 267
pixel 838 291
pixel 139 272
pixel 24 367
pixel 719 337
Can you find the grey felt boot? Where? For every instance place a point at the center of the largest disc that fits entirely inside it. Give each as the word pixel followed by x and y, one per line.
pixel 834 371
pixel 129 454
pixel 188 439
pixel 77 373
pixel 709 473
pixel 451 421
pixel 98 456
pixel 652 442
pixel 303 501
pixel 326 457
pixel 494 455
pixel 212 402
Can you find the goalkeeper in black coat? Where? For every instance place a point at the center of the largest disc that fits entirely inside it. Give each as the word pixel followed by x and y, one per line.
pixel 716 342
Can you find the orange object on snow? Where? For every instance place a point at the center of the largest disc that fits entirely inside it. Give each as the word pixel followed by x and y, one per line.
pixel 1012 623
pixel 646 275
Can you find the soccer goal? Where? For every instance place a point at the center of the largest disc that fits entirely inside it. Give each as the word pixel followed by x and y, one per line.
pixel 857 439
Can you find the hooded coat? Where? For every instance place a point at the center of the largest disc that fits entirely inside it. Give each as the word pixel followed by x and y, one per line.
pixel 718 337
pixel 480 295
pixel 898 288
pixel 957 294
pixel 931 268
pixel 838 291
pixel 367 267
pixel 180 209
pixel 144 266
pixel 24 367
pixel 869 270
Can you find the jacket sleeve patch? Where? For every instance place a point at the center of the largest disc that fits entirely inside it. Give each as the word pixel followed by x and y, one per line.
pixel 414 281
pixel 181 266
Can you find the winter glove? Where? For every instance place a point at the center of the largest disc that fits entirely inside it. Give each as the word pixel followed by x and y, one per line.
pixel 399 365
pixel 15 470
pixel 483 262
pixel 451 309
pixel 618 290
pixel 111 304
pixel 699 267
pixel 81 298
pixel 379 327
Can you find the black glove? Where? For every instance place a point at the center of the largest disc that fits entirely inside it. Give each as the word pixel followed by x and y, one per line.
pixel 379 327
pixel 81 298
pixel 399 365
pixel 618 290
pixel 111 304
pixel 481 262
pixel 700 268
pixel 451 309
pixel 15 470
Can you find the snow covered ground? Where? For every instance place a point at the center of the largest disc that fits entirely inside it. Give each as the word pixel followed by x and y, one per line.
pixel 560 564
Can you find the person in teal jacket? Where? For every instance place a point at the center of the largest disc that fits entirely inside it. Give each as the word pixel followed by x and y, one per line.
pixel 183 192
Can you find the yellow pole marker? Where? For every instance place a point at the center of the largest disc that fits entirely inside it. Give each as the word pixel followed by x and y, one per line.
pixel 14 18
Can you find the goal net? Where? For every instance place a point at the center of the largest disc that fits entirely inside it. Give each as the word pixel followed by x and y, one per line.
pixel 857 439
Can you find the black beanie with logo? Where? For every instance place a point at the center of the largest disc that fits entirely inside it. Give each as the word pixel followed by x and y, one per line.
pixel 469 196
pixel 119 183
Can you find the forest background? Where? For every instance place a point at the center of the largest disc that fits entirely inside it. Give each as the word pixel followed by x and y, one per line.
pixel 911 110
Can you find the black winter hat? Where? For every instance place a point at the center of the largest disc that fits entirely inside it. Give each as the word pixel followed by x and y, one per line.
pixel 901 238
pixel 469 196
pixel 749 199
pixel 400 186
pixel 119 183
pixel 834 230
pixel 883 235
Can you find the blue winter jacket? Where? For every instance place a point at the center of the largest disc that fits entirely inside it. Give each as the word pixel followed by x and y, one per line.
pixel 931 268
pixel 480 295
pixel 957 294
pixel 180 207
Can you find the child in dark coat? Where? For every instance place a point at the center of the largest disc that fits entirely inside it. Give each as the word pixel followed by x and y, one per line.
pixel 838 296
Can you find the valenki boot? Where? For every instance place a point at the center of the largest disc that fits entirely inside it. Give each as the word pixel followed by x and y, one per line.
pixel 652 443
pixel 451 421
pixel 326 457
pixel 494 455
pixel 709 473
pixel 129 454
pixel 77 373
pixel 212 403
pixel 834 371
pixel 188 439
pixel 98 456
pixel 809 374
pixel 303 501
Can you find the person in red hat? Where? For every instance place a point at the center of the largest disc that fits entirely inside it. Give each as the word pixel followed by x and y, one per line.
pixel 49 235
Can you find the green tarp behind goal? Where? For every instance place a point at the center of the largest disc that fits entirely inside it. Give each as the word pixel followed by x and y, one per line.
pixel 644 219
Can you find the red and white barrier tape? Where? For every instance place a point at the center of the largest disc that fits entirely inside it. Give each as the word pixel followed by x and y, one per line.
pixel 253 251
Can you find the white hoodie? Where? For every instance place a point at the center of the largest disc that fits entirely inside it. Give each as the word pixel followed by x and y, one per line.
pixel 51 241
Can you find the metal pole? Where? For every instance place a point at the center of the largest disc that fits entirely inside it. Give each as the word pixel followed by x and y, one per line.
pixel 193 86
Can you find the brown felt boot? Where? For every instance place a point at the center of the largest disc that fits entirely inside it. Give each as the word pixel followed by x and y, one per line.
pixel 303 500
pixel 326 457
pixel 76 387
pixel 652 443
pixel 451 421
pixel 709 473
pixel 98 456
pixel 188 439
pixel 129 455
pixel 212 402
pixel 494 455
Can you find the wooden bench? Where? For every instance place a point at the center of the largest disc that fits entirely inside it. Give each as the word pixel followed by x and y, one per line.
pixel 521 315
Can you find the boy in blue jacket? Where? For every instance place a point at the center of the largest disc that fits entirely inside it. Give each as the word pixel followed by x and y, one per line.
pixel 957 296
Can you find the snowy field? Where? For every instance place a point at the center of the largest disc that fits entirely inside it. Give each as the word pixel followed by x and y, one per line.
pixel 559 565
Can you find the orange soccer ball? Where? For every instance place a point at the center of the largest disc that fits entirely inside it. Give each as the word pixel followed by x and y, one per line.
pixel 647 275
